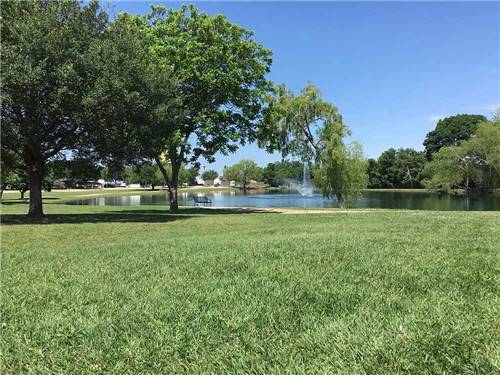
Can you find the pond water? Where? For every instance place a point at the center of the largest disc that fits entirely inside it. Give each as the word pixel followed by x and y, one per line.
pixel 371 199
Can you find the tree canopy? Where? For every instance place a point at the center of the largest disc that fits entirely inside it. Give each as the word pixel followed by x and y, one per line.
pixel 450 131
pixel 308 127
pixel 292 124
pixel 209 174
pixel 243 172
pixel 146 174
pixel 343 172
pixel 277 173
pixel 401 168
pixel 472 165
pixel 46 75
pixel 221 82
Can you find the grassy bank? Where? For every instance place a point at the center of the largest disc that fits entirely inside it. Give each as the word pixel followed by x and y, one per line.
pixel 138 290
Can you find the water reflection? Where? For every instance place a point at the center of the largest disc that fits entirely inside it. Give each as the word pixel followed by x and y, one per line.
pixel 234 198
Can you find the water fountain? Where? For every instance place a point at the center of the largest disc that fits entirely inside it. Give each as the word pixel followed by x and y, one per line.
pixel 306 189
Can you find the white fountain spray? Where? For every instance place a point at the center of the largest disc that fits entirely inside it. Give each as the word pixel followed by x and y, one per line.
pixel 306 190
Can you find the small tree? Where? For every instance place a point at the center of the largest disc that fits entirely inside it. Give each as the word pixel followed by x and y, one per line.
pixel 20 181
pixel 342 171
pixel 209 175
pixel 188 175
pixel 243 172
pixel 145 174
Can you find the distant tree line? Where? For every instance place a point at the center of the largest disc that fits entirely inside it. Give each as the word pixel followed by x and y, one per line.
pixel 401 168
pixel 462 152
pixel 275 174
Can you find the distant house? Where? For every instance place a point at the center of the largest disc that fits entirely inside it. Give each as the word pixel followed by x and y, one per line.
pixel 256 184
pixel 220 181
pixel 217 182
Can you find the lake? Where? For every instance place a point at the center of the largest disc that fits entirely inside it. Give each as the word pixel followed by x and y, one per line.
pixel 370 199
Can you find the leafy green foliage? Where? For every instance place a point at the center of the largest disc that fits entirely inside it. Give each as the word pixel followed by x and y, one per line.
pixel 473 165
pixel 20 181
pixel 278 172
pixel 342 172
pixel 46 73
pixel 187 176
pixel 221 82
pixel 373 174
pixel 292 124
pixel 145 174
pixel 9 166
pixel 243 172
pixel 133 97
pixel 308 127
pixel 209 175
pixel 401 168
pixel 75 171
pixel 450 131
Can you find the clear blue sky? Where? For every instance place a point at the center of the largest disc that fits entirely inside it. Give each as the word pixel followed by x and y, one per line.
pixel 392 68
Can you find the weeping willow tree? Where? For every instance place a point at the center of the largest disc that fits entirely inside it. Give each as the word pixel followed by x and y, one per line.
pixel 307 127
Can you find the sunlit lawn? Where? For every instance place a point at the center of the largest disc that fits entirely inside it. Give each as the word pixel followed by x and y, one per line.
pixel 138 290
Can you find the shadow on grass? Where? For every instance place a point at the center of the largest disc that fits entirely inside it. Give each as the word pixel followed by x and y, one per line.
pixel 123 216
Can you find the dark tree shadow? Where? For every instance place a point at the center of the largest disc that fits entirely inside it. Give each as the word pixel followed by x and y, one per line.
pixel 123 216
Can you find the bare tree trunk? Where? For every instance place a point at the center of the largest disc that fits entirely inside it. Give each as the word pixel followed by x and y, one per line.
pixel 22 194
pixel 36 173
pixel 153 187
pixel 341 200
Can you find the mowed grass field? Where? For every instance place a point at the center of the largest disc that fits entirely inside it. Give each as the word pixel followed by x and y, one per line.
pixel 138 290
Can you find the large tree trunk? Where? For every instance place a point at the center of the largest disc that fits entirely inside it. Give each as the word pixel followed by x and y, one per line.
pixel 172 196
pixel 171 182
pixel 341 200
pixel 172 189
pixel 36 173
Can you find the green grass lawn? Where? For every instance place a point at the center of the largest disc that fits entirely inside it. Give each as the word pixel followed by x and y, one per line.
pixel 138 290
